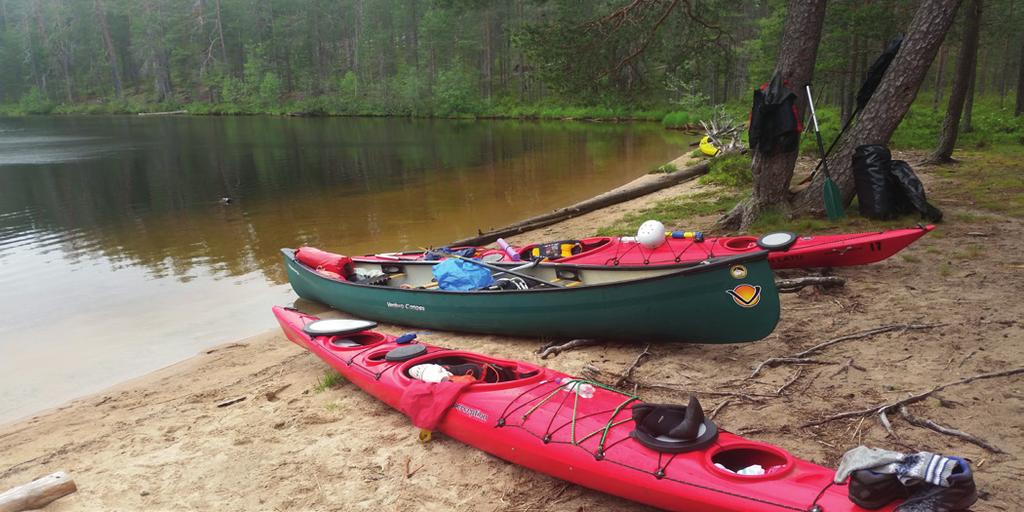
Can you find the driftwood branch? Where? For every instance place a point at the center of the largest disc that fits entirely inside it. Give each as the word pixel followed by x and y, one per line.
pixel 38 493
pixel 555 348
pixel 802 357
pixel 886 407
pixel 949 431
pixel 596 203
pixel 799 283
pixel 627 374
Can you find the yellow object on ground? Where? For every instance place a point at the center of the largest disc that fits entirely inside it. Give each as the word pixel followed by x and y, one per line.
pixel 707 147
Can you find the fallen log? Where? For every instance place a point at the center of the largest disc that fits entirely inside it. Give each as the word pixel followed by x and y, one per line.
pixel 592 204
pixel 37 493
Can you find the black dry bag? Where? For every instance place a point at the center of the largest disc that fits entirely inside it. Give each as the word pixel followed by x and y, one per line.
pixel 875 188
pixel 910 195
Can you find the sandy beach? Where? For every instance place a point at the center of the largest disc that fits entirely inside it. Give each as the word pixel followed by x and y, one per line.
pixel 160 442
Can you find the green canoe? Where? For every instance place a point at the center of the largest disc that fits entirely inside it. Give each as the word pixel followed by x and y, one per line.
pixel 729 300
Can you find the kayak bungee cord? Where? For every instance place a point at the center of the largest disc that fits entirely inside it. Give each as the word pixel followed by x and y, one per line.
pixel 602 454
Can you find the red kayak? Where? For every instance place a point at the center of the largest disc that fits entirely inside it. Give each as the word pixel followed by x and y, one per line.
pixel 787 250
pixel 670 457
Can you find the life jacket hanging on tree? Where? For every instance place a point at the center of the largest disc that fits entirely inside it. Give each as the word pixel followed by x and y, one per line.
pixel 775 125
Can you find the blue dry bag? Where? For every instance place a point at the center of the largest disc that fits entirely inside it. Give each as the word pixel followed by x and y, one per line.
pixel 460 275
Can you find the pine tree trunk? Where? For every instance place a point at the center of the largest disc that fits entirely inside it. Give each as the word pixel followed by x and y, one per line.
pixel 797 55
pixel 965 64
pixel 891 101
pixel 108 43
pixel 1020 81
pixel 969 101
pixel 939 85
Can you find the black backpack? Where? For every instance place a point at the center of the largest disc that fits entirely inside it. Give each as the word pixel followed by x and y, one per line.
pixel 775 125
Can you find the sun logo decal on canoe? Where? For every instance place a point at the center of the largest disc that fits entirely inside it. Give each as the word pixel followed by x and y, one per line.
pixel 745 295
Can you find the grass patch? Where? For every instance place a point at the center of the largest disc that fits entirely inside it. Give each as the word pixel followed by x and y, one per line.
pixel 675 210
pixel 731 171
pixel 988 180
pixel 328 381
pixel 664 169
pixel 910 258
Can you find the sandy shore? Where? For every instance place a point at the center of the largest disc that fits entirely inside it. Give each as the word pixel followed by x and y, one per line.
pixel 160 442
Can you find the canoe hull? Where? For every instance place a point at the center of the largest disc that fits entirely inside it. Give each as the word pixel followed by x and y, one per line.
pixel 490 417
pixel 697 305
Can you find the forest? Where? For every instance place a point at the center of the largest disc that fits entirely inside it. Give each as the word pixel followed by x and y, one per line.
pixel 642 59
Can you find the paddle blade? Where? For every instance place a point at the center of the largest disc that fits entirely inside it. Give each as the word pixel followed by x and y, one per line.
pixel 833 200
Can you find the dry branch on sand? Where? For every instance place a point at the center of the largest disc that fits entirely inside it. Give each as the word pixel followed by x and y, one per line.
pixel 553 348
pixel 801 357
pixel 900 405
pixel 799 283
pixel 37 493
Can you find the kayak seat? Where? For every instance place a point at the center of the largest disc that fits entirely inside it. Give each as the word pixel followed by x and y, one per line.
pixel 670 428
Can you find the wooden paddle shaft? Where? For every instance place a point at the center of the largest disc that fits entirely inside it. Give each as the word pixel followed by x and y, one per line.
pixel 37 493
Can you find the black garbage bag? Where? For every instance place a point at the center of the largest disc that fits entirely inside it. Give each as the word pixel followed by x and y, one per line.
pixel 910 196
pixel 774 124
pixel 873 182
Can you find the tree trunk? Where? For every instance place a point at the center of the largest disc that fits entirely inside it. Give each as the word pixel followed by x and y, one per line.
pixel 1020 81
pixel 891 101
pixel 220 35
pixel 939 85
pixel 969 101
pixel 797 55
pixel 965 64
pixel 108 43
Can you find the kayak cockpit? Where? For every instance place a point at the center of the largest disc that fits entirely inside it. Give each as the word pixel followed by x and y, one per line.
pixel 481 369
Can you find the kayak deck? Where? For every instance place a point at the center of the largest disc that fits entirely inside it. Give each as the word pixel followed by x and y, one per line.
pixel 806 252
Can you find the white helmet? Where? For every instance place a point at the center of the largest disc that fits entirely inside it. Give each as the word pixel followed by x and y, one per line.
pixel 651 234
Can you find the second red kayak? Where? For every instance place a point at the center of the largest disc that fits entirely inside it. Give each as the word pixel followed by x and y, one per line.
pixel 787 250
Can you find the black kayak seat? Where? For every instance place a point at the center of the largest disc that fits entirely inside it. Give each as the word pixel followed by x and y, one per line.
pixel 671 428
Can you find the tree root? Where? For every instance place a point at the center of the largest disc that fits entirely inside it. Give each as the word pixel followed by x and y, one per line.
pixel 900 405
pixel 801 357
pixel 554 348
pixel 799 283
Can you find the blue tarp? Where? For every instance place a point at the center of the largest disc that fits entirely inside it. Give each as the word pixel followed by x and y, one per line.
pixel 455 274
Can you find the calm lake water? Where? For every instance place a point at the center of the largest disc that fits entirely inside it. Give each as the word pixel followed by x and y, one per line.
pixel 117 257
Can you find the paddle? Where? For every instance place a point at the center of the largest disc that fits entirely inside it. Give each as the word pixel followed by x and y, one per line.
pixel 508 271
pixel 833 198
pixel 872 79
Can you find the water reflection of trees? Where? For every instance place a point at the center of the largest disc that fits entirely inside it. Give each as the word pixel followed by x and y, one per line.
pixel 352 184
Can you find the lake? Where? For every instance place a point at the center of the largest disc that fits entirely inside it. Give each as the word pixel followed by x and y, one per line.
pixel 118 256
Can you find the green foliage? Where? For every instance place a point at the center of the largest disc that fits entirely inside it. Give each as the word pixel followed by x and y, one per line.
pixel 664 169
pixel 34 102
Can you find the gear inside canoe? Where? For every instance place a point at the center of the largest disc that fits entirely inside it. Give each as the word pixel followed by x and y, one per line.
pixel 664 455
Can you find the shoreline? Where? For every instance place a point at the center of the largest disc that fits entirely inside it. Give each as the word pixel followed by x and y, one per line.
pixel 160 442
